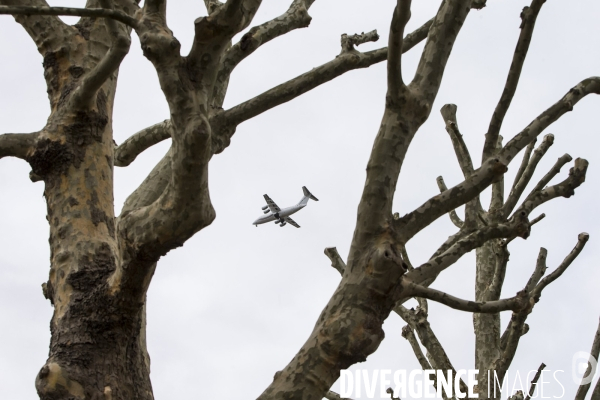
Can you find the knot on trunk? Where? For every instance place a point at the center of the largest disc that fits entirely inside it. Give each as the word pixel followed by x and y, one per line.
pixel 53 382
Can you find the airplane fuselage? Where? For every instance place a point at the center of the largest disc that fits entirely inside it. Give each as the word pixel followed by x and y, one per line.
pixel 282 216
pixel 286 212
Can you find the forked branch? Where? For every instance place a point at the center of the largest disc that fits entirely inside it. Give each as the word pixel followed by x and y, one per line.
pixel 415 221
pixel 219 27
pixel 565 188
pixel 408 334
pixel 441 261
pixel 225 123
pixel 514 331
pixel 581 241
pixel 437 357
pixel 521 184
pixel 350 41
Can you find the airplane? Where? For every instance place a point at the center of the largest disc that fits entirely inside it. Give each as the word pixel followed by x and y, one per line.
pixel 281 217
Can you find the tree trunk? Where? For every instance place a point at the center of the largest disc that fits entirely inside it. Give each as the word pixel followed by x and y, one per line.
pixel 487 326
pixel 97 347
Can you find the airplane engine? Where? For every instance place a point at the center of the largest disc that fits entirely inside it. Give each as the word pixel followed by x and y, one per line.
pixel 266 211
pixel 265 207
pixel 282 224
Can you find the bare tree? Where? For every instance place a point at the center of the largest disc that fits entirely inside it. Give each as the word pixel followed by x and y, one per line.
pixel 102 264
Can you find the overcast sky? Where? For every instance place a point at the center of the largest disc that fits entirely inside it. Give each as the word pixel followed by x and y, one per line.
pixel 233 306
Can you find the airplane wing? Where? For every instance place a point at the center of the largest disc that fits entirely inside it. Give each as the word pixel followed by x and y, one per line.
pixel 272 206
pixel 291 222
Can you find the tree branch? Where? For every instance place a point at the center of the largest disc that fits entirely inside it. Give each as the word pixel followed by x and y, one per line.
pixel 453 216
pixel 441 261
pixel 565 188
pixel 442 35
pixel 127 152
pixel 534 381
pixel 537 219
pixel 596 392
pixel 460 148
pixel 413 222
pixel 497 198
pixel 513 333
pixel 505 334
pixel 545 119
pixel 19 145
pixel 408 334
pixel 158 7
pixel 581 241
pixel 524 162
pixel 70 11
pixel 591 368
pixel 565 158
pixel 151 188
pixel 330 395
pixel 294 18
pixel 46 31
pixel 515 329
pixel 517 396
pixel 212 5
pixel 515 303
pixel 540 270
pixel 349 42
pixel 525 177
pixel 528 17
pixel 93 80
pixel 438 358
pixel 225 123
pixel 400 18
pixel 336 261
pixel 219 27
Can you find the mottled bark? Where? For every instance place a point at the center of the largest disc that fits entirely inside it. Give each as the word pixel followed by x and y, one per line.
pixel 486 326
pixel 591 369
pixel 349 328
pixel 224 123
pixel 97 347
pixel 101 266
pixel 18 145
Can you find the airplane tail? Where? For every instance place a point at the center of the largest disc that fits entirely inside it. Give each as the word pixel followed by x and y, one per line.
pixel 308 194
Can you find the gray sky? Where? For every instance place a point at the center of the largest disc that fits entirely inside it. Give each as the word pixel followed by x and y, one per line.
pixel 232 307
